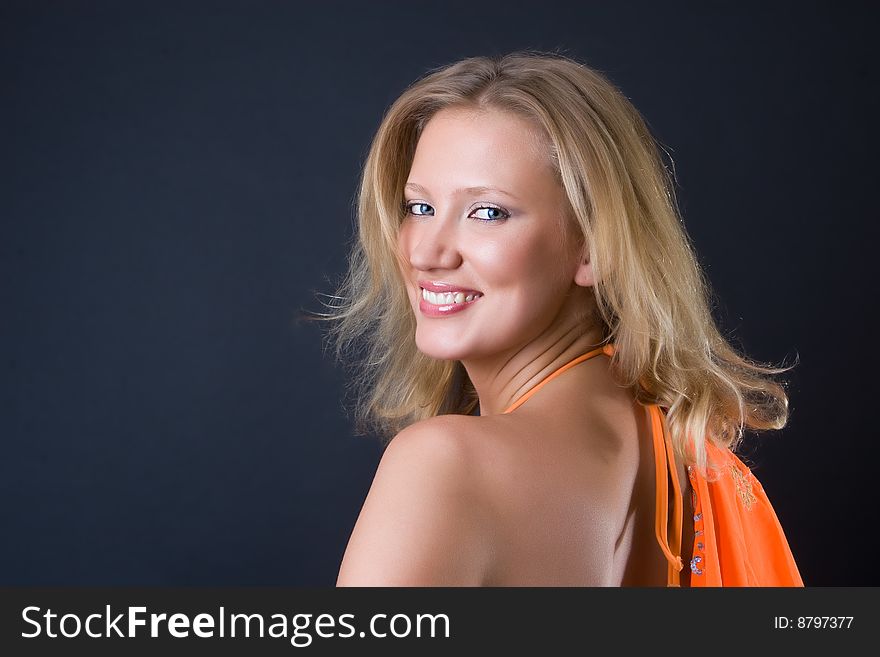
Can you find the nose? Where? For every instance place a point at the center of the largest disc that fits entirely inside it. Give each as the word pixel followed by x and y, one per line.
pixel 433 243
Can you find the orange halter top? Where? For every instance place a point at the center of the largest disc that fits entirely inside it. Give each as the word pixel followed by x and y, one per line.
pixel 738 540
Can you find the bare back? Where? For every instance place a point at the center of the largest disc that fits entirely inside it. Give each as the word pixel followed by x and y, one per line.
pixel 572 483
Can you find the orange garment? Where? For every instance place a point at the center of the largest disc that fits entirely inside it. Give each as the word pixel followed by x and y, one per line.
pixel 738 540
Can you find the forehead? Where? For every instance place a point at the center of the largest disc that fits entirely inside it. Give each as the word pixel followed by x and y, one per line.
pixel 465 147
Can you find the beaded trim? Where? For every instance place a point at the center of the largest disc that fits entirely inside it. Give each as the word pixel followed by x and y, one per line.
pixel 698 555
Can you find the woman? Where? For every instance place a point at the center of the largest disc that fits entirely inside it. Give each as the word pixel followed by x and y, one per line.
pixel 520 254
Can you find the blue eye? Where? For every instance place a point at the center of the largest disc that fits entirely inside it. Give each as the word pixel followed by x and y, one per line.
pixel 498 215
pixel 409 208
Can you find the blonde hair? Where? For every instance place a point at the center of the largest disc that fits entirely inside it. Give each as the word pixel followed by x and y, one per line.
pixel 652 298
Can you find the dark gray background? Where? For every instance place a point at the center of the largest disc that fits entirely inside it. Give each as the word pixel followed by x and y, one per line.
pixel 177 183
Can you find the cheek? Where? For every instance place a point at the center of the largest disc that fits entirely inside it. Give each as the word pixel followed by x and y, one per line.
pixel 403 239
pixel 524 263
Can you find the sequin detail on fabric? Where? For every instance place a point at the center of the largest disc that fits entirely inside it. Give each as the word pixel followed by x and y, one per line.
pixel 743 486
pixel 698 554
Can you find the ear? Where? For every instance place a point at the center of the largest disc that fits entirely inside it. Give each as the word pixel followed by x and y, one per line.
pixel 583 275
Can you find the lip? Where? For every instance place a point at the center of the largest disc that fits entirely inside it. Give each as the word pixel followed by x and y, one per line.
pixel 440 286
pixel 443 310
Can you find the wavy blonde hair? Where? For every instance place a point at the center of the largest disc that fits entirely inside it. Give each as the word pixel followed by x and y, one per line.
pixel 652 298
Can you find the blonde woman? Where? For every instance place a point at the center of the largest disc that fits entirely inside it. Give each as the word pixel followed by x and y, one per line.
pixel 528 326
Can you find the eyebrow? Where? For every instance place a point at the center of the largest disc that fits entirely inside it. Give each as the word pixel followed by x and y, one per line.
pixel 463 190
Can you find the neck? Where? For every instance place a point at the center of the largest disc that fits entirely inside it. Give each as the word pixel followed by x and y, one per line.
pixel 504 377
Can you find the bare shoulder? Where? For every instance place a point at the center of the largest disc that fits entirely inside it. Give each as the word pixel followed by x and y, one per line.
pixel 424 521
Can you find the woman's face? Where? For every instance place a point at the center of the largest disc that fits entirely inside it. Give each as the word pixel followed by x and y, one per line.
pixel 498 251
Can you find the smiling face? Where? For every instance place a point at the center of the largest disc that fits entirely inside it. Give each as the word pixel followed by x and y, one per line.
pixel 483 226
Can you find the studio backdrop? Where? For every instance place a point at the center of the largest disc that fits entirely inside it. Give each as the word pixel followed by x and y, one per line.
pixel 178 184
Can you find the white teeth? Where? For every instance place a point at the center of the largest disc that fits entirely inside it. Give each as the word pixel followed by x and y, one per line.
pixel 447 298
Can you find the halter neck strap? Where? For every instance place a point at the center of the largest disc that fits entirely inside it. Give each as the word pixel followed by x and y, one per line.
pixel 608 350
pixel 664 469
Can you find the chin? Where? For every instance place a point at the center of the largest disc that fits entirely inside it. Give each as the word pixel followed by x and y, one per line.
pixel 442 347
pixel 437 350
pixel 452 347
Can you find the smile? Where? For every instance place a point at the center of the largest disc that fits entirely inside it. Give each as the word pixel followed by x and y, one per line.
pixel 448 298
pixel 440 304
